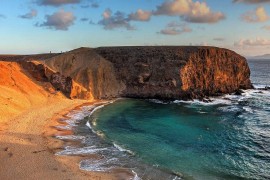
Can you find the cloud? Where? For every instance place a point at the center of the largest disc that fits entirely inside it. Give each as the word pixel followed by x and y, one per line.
pixel 92 22
pixel 2 16
pixel 57 2
pixel 117 20
pixel 84 19
pixel 194 12
pixel 95 5
pixel 140 15
pixel 60 20
pixel 219 39
pixel 252 42
pixel 92 5
pixel 174 28
pixel 258 15
pixel 107 14
pixel 30 15
pixel 266 28
pixel 251 1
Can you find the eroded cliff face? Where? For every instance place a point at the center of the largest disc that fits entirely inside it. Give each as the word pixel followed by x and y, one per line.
pixel 213 71
pixel 178 72
pixel 143 72
pixel 90 71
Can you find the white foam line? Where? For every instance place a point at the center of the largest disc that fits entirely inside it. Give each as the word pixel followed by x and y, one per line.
pixel 90 127
pixel 214 101
pixel 70 137
pixel 88 124
pixel 120 148
pixel 84 150
pixel 248 109
pixel 136 177
pixel 260 86
pixel 97 165
pixel 157 101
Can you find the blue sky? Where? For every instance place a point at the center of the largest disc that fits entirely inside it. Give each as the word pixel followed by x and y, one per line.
pixel 37 26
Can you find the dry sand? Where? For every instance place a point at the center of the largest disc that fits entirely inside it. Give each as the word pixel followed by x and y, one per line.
pixel 27 110
pixel 27 153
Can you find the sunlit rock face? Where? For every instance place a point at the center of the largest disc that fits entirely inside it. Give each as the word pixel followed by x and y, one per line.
pixel 178 72
pixel 94 76
pixel 144 72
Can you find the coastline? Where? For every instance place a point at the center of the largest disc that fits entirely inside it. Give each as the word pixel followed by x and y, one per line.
pixel 27 146
pixel 56 145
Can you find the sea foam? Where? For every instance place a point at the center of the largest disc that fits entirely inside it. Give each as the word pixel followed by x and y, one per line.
pixel 120 148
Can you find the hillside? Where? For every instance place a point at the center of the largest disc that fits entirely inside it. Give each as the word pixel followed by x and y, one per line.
pixel 139 72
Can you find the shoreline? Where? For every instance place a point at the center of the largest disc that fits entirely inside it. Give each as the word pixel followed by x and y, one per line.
pixel 27 149
pixel 57 145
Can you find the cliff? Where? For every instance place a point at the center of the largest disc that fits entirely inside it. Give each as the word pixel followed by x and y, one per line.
pixel 178 72
pixel 90 71
pixel 19 90
pixel 142 72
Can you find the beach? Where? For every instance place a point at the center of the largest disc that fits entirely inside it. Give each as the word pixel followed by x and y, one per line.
pixel 29 111
pixel 28 145
pixel 26 152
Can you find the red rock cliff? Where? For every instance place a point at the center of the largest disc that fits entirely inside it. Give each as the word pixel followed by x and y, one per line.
pixel 178 72
pixel 143 72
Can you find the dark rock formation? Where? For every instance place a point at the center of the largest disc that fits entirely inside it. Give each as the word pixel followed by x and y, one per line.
pixel 145 72
pixel 178 72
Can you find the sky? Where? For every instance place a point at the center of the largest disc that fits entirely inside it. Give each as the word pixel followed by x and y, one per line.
pixel 40 26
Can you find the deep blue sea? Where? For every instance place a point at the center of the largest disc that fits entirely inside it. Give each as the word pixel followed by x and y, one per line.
pixel 228 138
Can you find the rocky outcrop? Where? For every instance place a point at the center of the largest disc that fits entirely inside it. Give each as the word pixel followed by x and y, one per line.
pixel 178 72
pixel 90 71
pixel 62 83
pixel 144 72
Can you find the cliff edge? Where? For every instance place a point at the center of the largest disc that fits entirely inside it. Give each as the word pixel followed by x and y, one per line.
pixel 165 72
pixel 178 72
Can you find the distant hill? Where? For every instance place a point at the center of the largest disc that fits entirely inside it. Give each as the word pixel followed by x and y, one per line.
pixel 265 56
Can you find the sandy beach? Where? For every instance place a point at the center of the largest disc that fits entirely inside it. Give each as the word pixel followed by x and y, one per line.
pixel 26 152
pixel 28 109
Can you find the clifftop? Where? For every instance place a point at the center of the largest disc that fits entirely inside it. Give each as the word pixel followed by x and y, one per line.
pixel 165 72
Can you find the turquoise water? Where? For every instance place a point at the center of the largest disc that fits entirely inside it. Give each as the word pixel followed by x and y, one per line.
pixel 228 138
pixel 200 141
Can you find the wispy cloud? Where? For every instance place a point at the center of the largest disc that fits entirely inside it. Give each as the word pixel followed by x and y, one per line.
pixel 174 28
pixel 117 20
pixel 92 5
pixel 84 19
pixel 219 39
pixel 57 2
pixel 258 15
pixel 252 42
pixel 2 16
pixel 194 12
pixel 60 20
pixel 30 15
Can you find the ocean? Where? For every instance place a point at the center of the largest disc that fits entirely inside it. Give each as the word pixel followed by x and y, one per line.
pixel 228 138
